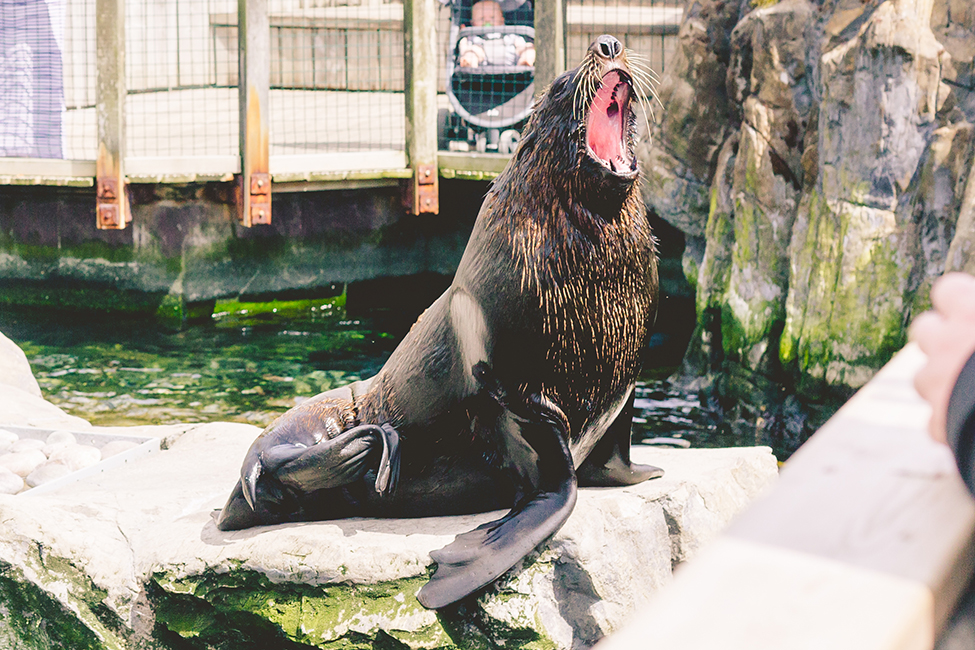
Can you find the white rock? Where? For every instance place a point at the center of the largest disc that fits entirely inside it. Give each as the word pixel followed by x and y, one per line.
pixel 47 472
pixel 10 483
pixel 15 369
pixel 77 456
pixel 26 444
pixel 58 439
pixel 7 438
pixel 114 447
pixel 23 463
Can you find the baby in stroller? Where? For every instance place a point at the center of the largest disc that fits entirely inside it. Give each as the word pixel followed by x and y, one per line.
pixel 490 73
pixel 493 49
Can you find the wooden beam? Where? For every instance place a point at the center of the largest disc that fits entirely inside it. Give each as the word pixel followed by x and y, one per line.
pixel 254 45
pixel 866 542
pixel 549 42
pixel 420 43
pixel 112 203
pixel 624 20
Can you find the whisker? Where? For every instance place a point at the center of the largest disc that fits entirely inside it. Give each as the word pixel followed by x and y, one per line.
pixel 642 98
pixel 647 85
pixel 644 73
pixel 641 64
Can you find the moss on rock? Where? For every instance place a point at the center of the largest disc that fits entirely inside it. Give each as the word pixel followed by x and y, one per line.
pixel 214 608
pixel 845 312
pixel 30 619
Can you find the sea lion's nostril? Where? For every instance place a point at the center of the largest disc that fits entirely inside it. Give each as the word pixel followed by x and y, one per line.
pixel 609 47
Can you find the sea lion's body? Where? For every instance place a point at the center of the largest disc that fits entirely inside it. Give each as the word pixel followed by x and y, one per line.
pixel 516 384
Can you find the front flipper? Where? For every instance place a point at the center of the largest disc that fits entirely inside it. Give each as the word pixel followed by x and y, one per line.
pixel 542 464
pixel 608 464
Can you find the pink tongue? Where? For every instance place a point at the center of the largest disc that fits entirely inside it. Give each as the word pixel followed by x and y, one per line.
pixel 604 128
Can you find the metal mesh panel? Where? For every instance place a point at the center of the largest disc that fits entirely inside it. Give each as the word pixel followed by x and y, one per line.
pixel 487 74
pixel 337 77
pixel 80 132
pixel 181 76
pixel 32 91
pixel 476 109
pixel 647 27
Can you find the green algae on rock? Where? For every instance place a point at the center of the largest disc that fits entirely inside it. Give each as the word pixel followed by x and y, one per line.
pixel 835 190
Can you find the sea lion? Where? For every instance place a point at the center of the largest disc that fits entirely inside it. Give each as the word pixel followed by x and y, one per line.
pixel 517 384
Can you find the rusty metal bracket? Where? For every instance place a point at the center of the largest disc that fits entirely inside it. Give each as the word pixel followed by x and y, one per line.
pixel 108 218
pixel 107 189
pixel 260 214
pixel 255 206
pixel 426 175
pixel 425 190
pixel 260 183
pixel 111 205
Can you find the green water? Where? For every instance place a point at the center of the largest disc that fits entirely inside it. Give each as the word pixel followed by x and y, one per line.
pixel 249 363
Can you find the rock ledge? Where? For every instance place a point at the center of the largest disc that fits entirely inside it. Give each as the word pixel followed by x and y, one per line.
pixel 131 558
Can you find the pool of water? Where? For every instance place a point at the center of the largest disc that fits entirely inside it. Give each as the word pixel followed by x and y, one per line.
pixel 250 363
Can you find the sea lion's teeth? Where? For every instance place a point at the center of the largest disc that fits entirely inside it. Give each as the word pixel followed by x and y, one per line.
pixel 612 166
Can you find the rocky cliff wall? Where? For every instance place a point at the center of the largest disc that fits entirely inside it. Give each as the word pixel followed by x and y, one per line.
pixel 818 156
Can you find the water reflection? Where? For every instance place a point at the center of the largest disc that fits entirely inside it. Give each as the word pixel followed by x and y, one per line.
pixel 242 367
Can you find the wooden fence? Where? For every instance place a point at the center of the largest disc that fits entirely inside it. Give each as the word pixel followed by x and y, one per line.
pixel 346 90
pixel 866 543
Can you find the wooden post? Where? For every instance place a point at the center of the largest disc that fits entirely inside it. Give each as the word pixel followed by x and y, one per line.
pixel 111 199
pixel 254 184
pixel 420 40
pixel 549 42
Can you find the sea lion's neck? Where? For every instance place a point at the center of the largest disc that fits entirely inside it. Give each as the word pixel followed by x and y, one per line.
pixel 562 212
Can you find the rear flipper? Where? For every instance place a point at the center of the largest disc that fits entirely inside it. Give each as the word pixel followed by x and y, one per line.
pixel 535 441
pixel 608 464
pixel 302 452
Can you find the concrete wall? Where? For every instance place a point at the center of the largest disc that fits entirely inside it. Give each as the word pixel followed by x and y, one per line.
pixel 184 244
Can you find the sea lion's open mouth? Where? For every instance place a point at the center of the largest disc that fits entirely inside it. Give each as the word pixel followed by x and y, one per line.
pixel 607 125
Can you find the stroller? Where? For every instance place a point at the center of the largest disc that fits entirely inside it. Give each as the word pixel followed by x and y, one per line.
pixel 489 104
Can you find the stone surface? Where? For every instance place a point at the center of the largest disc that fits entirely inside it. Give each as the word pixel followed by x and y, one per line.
pixel 7 440
pixel 23 463
pixel 10 483
pixel 759 183
pixel 116 447
pixel 696 119
pixel 58 438
pixel 131 559
pixel 834 140
pixel 134 554
pixel 881 89
pixel 17 373
pixel 27 444
pixel 76 456
pixel 22 408
pixel 46 472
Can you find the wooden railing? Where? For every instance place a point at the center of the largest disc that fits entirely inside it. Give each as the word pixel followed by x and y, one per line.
pixel 397 69
pixel 865 542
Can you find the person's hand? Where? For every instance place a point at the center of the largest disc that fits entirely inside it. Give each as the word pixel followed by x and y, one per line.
pixel 527 56
pixel 946 334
